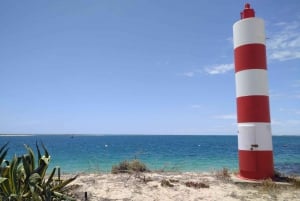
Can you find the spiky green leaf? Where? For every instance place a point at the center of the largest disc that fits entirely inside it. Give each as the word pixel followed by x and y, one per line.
pixel 38 150
pixel 50 178
pixel 2 179
pixel 3 152
pixel 34 179
pixel 3 147
pixel 63 196
pixel 64 183
pixel 45 150
pixel 30 158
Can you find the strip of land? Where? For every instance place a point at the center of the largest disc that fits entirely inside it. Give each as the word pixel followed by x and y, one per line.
pixel 15 135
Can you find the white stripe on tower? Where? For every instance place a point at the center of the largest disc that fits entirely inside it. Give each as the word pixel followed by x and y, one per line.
pixel 253 114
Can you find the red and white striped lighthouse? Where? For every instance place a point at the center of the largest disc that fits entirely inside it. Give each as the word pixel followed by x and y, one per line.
pixel 253 114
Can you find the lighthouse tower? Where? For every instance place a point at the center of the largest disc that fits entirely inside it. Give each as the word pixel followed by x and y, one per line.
pixel 253 113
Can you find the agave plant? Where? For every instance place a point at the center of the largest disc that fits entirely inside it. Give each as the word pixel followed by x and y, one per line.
pixel 3 169
pixel 22 179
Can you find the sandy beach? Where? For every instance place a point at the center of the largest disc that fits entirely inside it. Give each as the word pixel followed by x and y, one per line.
pixel 176 186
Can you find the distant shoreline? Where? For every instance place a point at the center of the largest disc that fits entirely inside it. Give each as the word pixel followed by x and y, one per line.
pixel 15 135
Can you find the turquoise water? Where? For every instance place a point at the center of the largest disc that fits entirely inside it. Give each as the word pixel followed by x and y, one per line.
pixel 163 152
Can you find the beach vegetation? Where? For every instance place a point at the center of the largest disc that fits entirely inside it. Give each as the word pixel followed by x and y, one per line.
pixel 196 184
pixel 293 180
pixel 24 179
pixel 166 183
pixel 223 174
pixel 169 168
pixel 268 184
pixel 296 182
pixel 133 166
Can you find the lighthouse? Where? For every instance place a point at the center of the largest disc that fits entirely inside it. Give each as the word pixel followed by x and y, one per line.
pixel 255 149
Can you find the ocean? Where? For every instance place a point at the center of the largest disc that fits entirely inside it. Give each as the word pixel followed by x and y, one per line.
pixel 94 154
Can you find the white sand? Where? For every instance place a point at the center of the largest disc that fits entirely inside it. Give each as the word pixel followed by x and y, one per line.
pixel 134 187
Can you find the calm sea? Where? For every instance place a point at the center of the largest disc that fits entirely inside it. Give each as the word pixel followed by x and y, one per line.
pixel 81 153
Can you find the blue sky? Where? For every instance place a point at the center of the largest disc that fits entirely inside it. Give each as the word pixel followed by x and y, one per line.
pixel 137 66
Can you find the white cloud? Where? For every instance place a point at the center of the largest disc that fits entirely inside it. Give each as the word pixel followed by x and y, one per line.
pixel 290 111
pixel 189 74
pixel 219 69
pixel 285 43
pixel 230 40
pixel 296 83
pixel 277 123
pixel 294 122
pixel 286 123
pixel 226 116
pixel 284 95
pixel 274 94
pixel 197 106
pixel 285 55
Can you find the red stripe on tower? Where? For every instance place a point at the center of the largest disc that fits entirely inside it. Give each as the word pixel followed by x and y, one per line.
pixel 250 56
pixel 253 109
pixel 253 113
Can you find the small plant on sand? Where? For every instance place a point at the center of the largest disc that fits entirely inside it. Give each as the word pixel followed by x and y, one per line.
pixel 196 184
pixel 279 177
pixel 223 174
pixel 296 182
pixel 22 179
pixel 166 183
pixel 134 166
pixel 269 185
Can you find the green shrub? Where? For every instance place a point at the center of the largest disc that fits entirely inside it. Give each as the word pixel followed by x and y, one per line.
pixel 129 167
pixel 22 179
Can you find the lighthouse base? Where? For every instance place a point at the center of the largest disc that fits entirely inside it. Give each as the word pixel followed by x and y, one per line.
pixel 256 165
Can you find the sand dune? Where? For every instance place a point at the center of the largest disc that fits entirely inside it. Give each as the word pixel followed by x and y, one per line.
pixel 175 186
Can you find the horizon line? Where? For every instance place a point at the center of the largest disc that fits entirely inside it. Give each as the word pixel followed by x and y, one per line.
pixel 126 134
